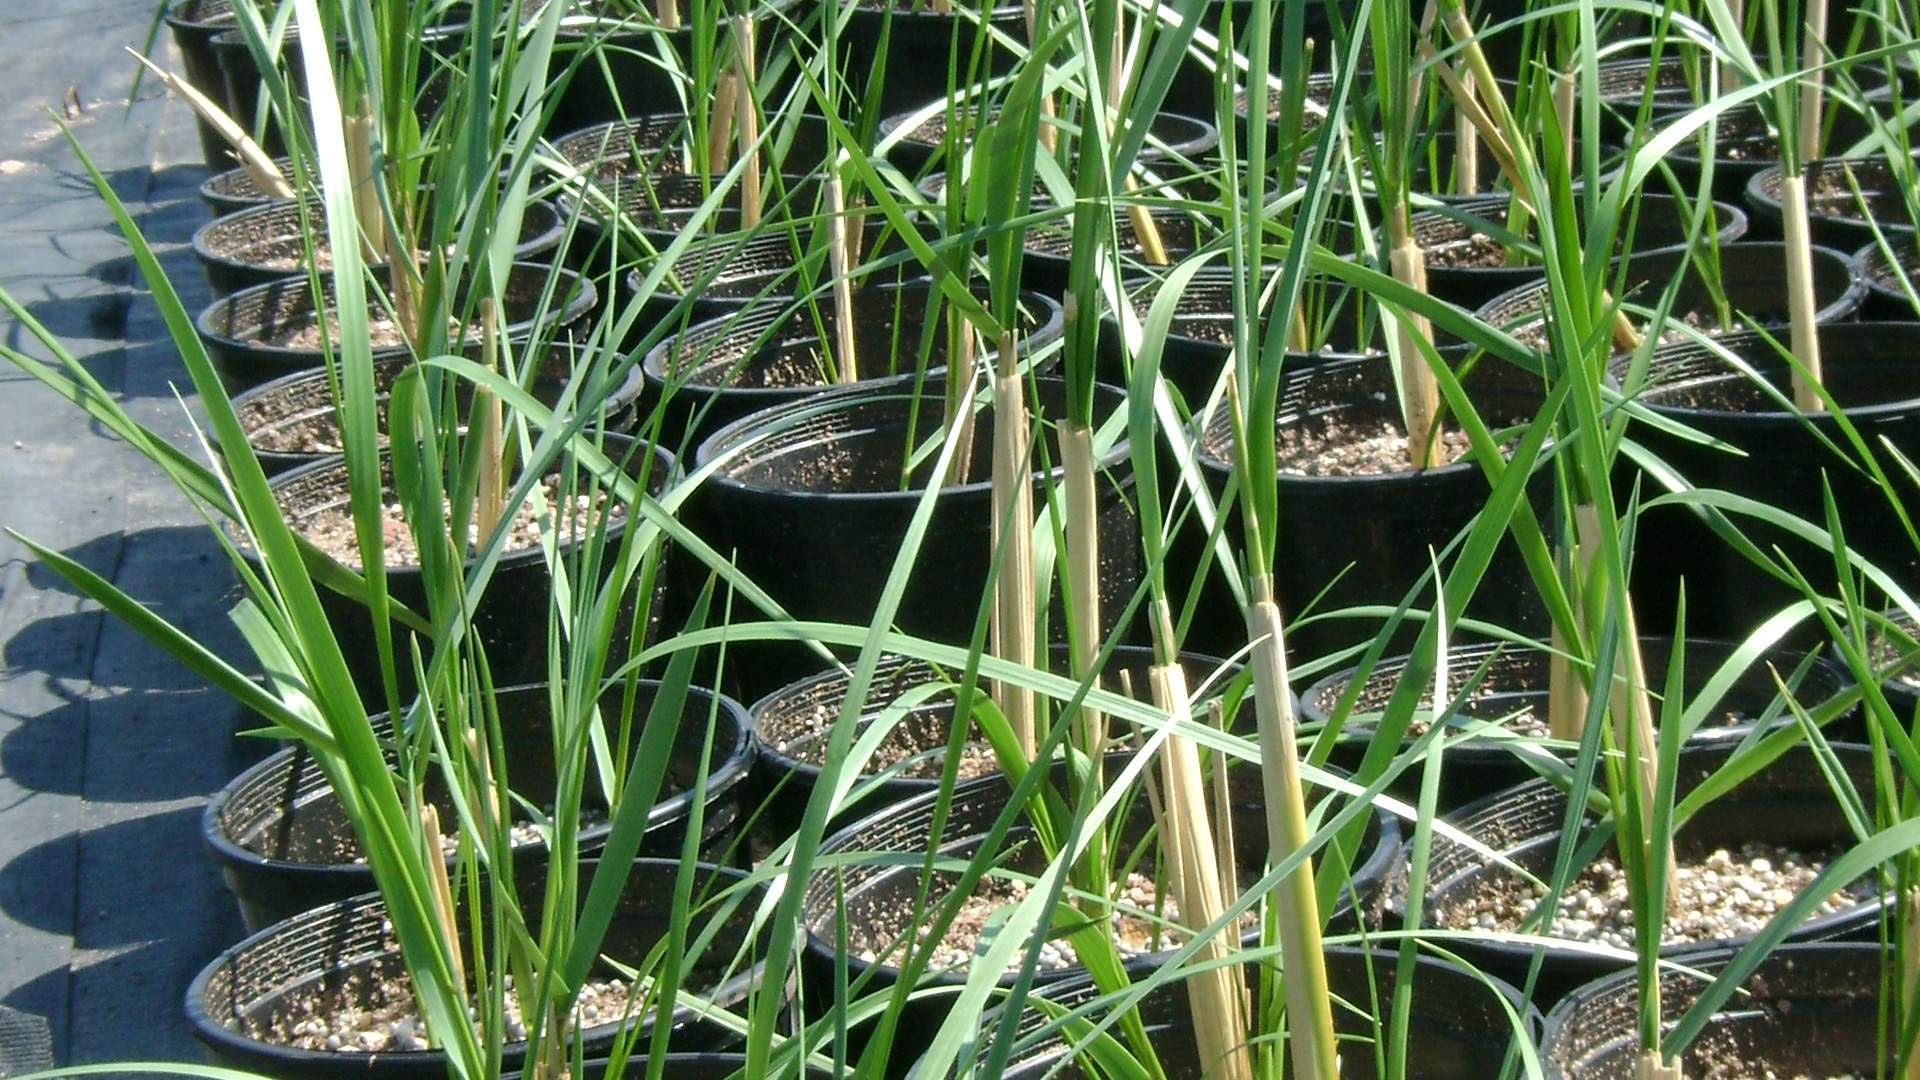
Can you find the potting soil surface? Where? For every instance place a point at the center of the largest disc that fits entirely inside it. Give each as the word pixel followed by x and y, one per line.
pixel 108 748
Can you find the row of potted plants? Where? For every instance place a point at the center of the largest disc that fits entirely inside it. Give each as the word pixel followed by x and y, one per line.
pixel 1005 541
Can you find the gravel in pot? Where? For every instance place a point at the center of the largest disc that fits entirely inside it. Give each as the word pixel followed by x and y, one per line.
pixel 790 727
pixel 1514 693
pixel 724 369
pixel 1784 458
pixel 1836 216
pixel 270 243
pixel 338 964
pixel 1361 526
pixel 292 421
pixel 877 895
pixel 1753 278
pixel 510 620
pixel 262 333
pixel 1740 859
pixel 285 845
pixel 1048 264
pixel 799 488
pixel 1807 1010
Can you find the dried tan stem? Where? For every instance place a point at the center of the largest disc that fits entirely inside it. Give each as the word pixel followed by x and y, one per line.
pixel 1419 389
pixel 1910 970
pixel 1729 77
pixel 1648 1066
pixel 1466 149
pixel 966 365
pixel 1083 575
pixel 366 200
pixel 1218 997
pixel 667 14
pixel 1224 849
pixel 1012 625
pixel 726 91
pixel 1813 54
pixel 490 498
pixel 1800 302
pixel 747 123
pixel 1309 1009
pixel 1049 132
pixel 838 258
pixel 442 891
pixel 1566 692
pixel 1630 705
pixel 260 168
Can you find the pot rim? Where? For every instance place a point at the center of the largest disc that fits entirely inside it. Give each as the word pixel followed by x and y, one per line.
pixel 836 399
pixel 730 771
pixel 219 1037
pixel 584 298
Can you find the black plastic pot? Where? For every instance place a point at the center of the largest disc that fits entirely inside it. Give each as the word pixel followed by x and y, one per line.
pixel 1870 370
pixel 809 497
pixel 718 277
pixel 291 422
pixel 510 620
pixel 269 242
pixel 1753 278
pixel 241 77
pixel 789 724
pixel 1200 338
pixel 657 145
pixel 1887 298
pixel 1518 680
pixel 1367 539
pixel 342 949
pixel 710 375
pixel 1192 90
pixel 234 190
pixel 621 73
pixel 1788 803
pixel 919 149
pixel 1744 147
pixel 905 47
pixel 1835 217
pixel 1661 225
pixel 1807 1010
pixel 866 885
pixel 194 24
pixel 1459 1027
pixel 1048 263
pixel 243 332
pixel 285 845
